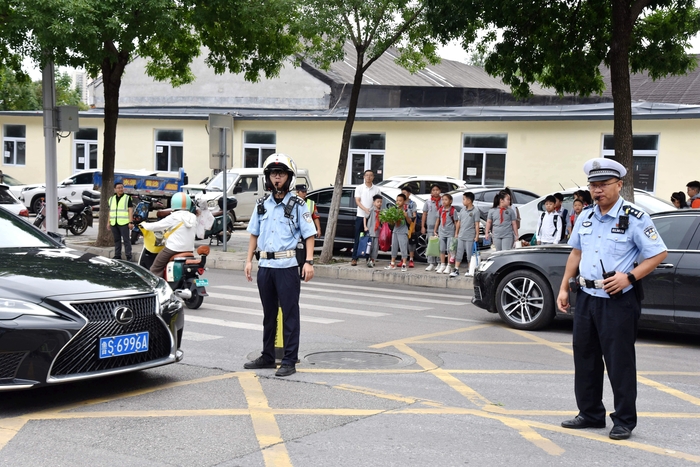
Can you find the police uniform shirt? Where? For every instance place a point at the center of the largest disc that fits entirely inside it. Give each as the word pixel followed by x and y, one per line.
pixel 467 223
pixel 276 232
pixel 599 237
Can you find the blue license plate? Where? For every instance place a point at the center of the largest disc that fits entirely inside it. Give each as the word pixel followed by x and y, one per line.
pixel 201 282
pixel 123 345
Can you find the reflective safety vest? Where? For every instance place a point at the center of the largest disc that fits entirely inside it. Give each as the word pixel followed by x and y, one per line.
pixel 119 211
pixel 310 204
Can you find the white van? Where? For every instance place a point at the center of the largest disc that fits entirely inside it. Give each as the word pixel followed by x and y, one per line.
pixel 246 185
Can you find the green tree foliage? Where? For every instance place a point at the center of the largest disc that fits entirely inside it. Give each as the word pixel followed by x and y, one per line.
pixel 19 94
pixel 561 44
pixel 371 27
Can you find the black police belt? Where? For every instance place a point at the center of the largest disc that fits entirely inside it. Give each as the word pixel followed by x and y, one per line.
pixel 590 284
pixel 278 254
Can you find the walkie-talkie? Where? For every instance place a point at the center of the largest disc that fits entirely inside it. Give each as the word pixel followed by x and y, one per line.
pixel 605 276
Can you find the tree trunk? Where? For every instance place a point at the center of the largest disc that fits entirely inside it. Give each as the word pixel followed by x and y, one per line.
pixel 327 252
pixel 622 96
pixel 112 73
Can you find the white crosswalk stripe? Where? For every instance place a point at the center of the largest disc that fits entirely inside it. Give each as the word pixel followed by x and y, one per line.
pixel 259 313
pixel 224 323
pixel 420 293
pixel 305 306
pixel 196 336
pixel 381 295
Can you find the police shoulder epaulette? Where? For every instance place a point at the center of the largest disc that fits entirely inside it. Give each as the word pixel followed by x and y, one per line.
pixel 633 211
pixel 297 200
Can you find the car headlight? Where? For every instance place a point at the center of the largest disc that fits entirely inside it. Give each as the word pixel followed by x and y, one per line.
pixel 164 293
pixel 484 265
pixel 11 309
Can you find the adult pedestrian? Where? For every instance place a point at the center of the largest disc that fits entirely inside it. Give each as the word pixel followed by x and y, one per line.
pixel 678 200
pixel 363 198
pixel 121 220
pixel 302 190
pixel 279 222
pixel 693 189
pixel 606 241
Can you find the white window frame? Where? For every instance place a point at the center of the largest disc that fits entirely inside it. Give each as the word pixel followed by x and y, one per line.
pixel 485 152
pixel 369 154
pixel 637 153
pixel 15 140
pixel 259 147
pixel 169 145
pixel 87 143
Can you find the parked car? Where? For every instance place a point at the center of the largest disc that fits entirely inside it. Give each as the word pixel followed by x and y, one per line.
pixel 247 185
pixel 531 212
pixel 420 184
pixel 14 184
pixel 345 230
pixel 483 197
pixel 522 285
pixel 71 188
pixel 66 315
pixel 11 203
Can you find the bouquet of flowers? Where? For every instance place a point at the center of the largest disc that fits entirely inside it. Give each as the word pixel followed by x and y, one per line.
pixel 392 216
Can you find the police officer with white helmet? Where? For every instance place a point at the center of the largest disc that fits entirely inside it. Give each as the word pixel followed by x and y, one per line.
pixel 606 241
pixel 278 223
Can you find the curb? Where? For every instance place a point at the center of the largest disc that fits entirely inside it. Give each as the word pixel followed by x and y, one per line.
pixel 221 260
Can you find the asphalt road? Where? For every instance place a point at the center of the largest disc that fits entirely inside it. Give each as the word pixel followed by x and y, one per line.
pixel 389 376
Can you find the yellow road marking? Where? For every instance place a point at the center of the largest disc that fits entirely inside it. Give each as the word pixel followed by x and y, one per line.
pixel 476 342
pixel 558 346
pixel 669 390
pixel 9 427
pixel 266 429
pixel 428 336
pixel 377 393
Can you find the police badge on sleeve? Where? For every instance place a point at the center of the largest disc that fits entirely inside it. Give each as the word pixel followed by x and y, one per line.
pixel 307 217
pixel 651 232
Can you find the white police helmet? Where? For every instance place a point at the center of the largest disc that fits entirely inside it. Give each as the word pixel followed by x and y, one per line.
pixel 279 161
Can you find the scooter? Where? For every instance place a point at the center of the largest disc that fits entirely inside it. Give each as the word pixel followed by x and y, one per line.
pixel 145 205
pixel 217 228
pixel 76 217
pixel 182 272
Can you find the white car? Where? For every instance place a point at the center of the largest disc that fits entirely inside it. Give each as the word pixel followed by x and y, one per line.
pixel 420 184
pixel 531 212
pixel 71 188
pixel 10 202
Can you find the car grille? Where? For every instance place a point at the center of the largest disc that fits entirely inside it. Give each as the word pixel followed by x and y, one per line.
pixel 477 292
pixel 9 361
pixel 80 355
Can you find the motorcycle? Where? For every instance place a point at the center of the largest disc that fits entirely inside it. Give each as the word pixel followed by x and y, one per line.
pixel 217 228
pixel 145 205
pixel 76 217
pixel 182 272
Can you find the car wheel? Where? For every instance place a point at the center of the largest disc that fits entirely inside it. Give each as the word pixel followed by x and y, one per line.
pixel 36 204
pixel 524 300
pixel 421 246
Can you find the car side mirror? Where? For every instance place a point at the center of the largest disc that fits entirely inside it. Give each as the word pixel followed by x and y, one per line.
pixel 68 182
pixel 237 189
pixel 57 237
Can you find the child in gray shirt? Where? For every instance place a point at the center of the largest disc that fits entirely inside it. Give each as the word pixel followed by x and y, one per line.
pixel 445 229
pixel 468 227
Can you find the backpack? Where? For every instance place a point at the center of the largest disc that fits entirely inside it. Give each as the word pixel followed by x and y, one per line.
pixel 452 213
pixel 554 220
pixel 564 215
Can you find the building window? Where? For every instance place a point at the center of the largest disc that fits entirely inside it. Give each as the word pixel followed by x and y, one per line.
pixel 484 159
pixel 14 144
pixel 85 149
pixel 257 145
pixel 366 152
pixel 645 149
pixel 169 150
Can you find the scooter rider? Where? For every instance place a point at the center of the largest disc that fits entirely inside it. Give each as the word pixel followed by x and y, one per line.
pixel 181 225
pixel 278 223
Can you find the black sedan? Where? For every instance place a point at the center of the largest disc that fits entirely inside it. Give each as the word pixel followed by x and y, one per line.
pixel 521 285
pixel 66 315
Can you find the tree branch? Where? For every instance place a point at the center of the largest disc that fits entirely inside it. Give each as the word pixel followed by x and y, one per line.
pixel 346 20
pixel 636 10
pixel 378 18
pixel 393 38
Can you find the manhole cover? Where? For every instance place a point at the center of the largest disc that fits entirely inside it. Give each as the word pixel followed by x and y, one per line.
pixel 353 359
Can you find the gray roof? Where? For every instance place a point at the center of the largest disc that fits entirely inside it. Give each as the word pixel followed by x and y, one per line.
pixel 684 89
pixel 386 72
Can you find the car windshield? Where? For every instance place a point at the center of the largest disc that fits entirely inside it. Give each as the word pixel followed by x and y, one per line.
pixel 651 204
pixel 6 197
pixel 16 233
pixel 11 181
pixel 217 183
pixel 389 182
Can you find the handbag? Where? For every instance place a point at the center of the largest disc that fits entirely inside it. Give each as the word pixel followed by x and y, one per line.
pixel 362 246
pixel 385 237
pixel 433 248
pixel 452 250
pixel 474 261
pixel 155 241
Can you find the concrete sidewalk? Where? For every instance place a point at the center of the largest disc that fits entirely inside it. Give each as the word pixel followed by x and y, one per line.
pixel 234 259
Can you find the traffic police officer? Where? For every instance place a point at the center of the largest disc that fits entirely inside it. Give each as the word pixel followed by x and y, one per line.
pixel 278 223
pixel 606 241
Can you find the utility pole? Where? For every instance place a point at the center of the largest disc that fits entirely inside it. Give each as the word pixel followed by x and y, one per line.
pixel 49 98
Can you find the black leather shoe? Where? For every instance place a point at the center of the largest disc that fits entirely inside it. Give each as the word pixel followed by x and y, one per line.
pixel 580 422
pixel 286 370
pixel 259 363
pixel 620 432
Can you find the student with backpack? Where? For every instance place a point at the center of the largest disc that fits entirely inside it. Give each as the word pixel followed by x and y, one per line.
pixel 564 213
pixel 445 230
pixel 550 224
pixel 502 223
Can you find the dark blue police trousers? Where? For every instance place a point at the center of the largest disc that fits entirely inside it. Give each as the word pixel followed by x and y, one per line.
pixel 605 330
pixel 280 287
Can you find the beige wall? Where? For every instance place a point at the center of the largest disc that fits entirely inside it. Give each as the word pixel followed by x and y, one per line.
pixel 540 155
